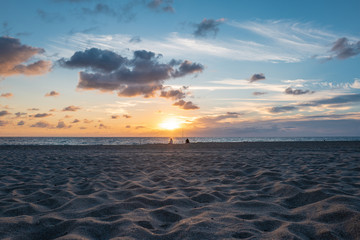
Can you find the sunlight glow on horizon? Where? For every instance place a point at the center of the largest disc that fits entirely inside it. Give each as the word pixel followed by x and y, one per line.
pixel 170 124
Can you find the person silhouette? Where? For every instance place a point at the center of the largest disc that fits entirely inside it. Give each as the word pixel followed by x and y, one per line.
pixel 187 141
pixel 171 141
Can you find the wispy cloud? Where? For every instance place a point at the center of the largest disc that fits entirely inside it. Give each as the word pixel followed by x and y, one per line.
pixel 6 95
pixel 175 45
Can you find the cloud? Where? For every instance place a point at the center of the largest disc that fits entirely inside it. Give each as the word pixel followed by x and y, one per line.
pixel 126 116
pixel 87 121
pixel 209 121
pixel 127 126
pixel 3 123
pixel 100 8
pixel 41 124
pixel 19 114
pixel 343 48
pixel 71 1
pixel 356 84
pixel 281 109
pixel 6 95
pixel 291 91
pixel 341 99
pixel 4 113
pixel 141 75
pixel 173 94
pixel 257 77
pixel 115 117
pixel 139 127
pixel 41 115
pixel 207 26
pixel 21 123
pixel 185 105
pixel 135 39
pixel 49 17
pixel 94 59
pixel 75 121
pixel 52 94
pixel 259 93
pixel 61 124
pixel 71 108
pixel 102 126
pixel 33 109
pixel 163 5
pixel 14 54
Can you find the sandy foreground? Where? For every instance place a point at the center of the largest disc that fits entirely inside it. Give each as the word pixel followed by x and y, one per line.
pixel 299 190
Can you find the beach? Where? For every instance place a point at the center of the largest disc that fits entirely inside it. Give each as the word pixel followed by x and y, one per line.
pixel 261 190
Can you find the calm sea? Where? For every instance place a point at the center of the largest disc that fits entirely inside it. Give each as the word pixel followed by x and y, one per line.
pixel 153 140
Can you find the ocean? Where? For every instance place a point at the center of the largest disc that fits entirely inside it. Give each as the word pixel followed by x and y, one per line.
pixel 154 140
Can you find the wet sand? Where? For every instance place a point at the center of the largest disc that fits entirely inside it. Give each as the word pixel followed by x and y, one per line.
pixel 293 190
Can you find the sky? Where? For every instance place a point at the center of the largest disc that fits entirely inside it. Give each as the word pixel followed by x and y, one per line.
pixel 160 68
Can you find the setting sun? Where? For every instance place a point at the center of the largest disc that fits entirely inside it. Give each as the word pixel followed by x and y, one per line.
pixel 170 124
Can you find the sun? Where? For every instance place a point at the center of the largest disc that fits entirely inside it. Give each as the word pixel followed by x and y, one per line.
pixel 170 124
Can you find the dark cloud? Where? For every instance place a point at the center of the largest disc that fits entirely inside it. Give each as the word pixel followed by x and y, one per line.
pixel 186 105
pixel 14 54
pixel 6 95
pixel 19 114
pixel 257 77
pixel 141 75
pixel 33 109
pixel 161 5
pixel 21 123
pixel 342 99
pixel 173 94
pixel 49 17
pixel 3 123
pixel 126 116
pixel 61 124
pixel 52 94
pixel 75 121
pixel 41 125
pixel 187 67
pixel 291 91
pixel 207 26
pixel 72 1
pixel 100 8
pixel 343 49
pixel 94 59
pixel 259 93
pixel 71 108
pixel 115 117
pixel 281 109
pixel 102 126
pixel 135 39
pixel 209 121
pixel 3 113
pixel 41 115
pixel 127 126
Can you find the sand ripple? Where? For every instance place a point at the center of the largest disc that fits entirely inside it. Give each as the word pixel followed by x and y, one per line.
pixel 196 191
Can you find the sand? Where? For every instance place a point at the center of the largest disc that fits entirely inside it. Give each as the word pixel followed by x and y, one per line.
pixel 299 190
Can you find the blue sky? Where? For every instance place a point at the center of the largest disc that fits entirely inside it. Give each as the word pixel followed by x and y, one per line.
pixel 213 68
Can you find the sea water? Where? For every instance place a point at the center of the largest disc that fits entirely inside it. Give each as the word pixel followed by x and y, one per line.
pixel 154 140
